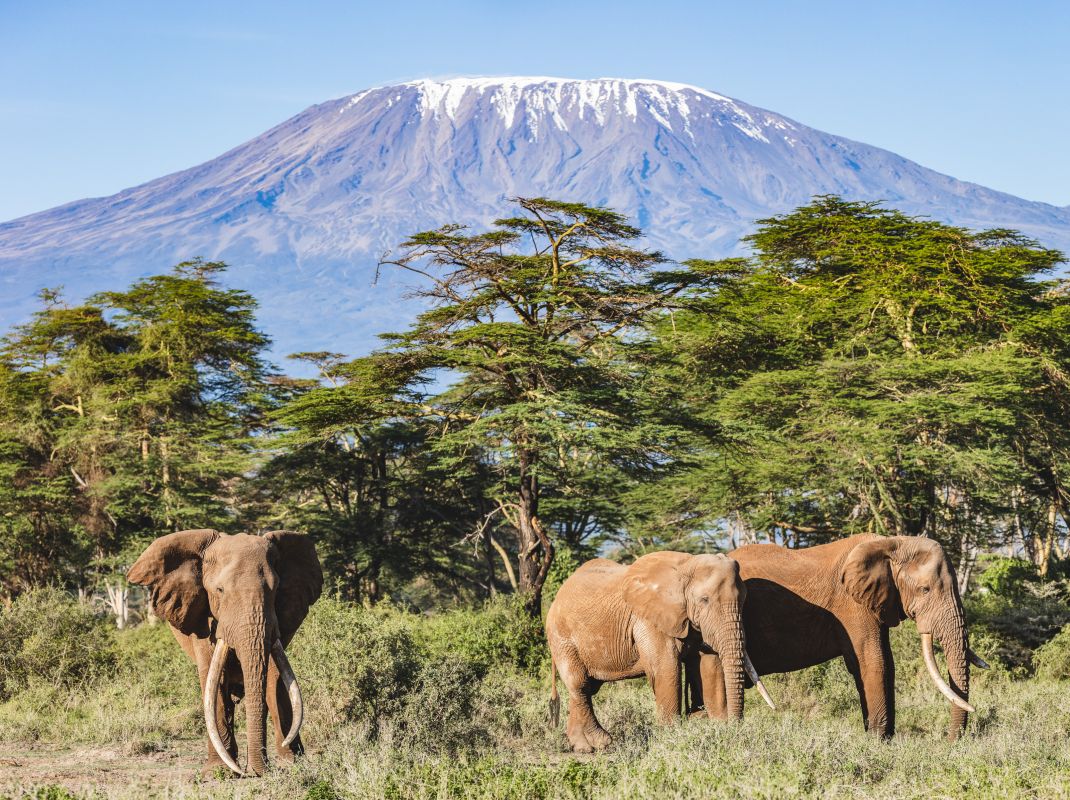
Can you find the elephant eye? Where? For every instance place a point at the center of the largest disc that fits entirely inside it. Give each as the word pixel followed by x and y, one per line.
pixel 925 589
pixel 219 589
pixel 705 599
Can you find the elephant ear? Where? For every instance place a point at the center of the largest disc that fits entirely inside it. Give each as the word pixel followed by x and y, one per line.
pixel 300 579
pixel 867 577
pixel 171 569
pixel 654 588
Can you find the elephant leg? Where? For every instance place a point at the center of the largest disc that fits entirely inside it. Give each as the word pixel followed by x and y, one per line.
pixel 664 679
pixel 584 732
pixel 714 694
pixel 278 700
pixel 870 664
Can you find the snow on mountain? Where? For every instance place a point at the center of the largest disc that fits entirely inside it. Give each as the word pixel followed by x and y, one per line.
pixel 303 211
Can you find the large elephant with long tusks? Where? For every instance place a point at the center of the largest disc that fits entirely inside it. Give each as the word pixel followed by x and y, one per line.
pixel 809 605
pixel 234 603
pixel 609 622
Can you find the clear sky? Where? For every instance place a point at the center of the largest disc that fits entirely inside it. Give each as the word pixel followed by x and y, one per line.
pixel 98 96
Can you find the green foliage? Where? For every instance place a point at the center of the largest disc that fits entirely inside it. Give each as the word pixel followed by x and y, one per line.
pixel 52 792
pixel 869 371
pixel 442 713
pixel 1018 624
pixel 354 663
pixel 321 790
pixel 1006 577
pixel 501 632
pixel 121 419
pixel 566 561
pixel 46 636
pixel 530 317
pixel 1052 659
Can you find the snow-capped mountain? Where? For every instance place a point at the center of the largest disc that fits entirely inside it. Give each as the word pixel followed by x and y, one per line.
pixel 303 212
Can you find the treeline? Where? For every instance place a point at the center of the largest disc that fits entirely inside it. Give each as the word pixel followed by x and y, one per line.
pixel 565 390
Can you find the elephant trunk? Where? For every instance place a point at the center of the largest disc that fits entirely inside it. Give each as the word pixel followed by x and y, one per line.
pixel 729 645
pixel 251 646
pixel 950 632
pixel 254 670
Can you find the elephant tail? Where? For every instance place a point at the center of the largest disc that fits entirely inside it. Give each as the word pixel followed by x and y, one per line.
pixel 555 700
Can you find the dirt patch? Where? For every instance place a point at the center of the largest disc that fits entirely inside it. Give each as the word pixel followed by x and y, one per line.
pixel 106 770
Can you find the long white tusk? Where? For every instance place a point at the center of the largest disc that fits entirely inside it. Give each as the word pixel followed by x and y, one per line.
pixel 976 660
pixel 757 681
pixel 934 673
pixel 292 688
pixel 211 692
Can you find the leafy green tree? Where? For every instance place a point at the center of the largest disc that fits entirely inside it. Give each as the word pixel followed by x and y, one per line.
pixel 383 513
pixel 529 318
pixel 870 371
pixel 124 418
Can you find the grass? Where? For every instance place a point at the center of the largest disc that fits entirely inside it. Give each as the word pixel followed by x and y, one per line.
pixel 452 723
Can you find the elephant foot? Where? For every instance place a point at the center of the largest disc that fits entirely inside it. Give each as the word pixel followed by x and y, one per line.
pixel 581 746
pixel 286 756
pixel 598 738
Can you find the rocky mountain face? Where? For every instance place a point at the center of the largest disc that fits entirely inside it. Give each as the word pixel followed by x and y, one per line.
pixel 303 212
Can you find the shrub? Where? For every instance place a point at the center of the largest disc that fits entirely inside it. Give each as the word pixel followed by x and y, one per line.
pixel 1006 577
pixel 1052 659
pixel 354 664
pixel 46 635
pixel 501 632
pixel 441 714
pixel 1017 626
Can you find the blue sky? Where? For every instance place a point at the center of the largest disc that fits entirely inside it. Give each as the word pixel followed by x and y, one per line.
pixel 97 96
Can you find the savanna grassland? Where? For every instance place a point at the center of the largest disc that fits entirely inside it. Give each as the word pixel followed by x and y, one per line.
pixel 455 706
pixel 565 393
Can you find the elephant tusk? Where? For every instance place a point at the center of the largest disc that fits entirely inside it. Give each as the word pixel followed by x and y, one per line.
pixel 211 692
pixel 753 673
pixel 976 660
pixel 292 688
pixel 934 673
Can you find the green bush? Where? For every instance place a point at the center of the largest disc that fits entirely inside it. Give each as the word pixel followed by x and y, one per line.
pixel 1052 659
pixel 150 656
pixel 1016 626
pixel 499 633
pixel 354 664
pixel 45 635
pixel 1006 577
pixel 441 714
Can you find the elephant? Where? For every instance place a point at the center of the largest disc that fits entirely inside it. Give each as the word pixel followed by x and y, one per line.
pixel 809 605
pixel 234 602
pixel 609 622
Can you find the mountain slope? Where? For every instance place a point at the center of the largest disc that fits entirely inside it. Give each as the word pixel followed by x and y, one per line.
pixel 303 211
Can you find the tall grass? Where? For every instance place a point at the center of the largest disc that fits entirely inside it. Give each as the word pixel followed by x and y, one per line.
pixel 409 707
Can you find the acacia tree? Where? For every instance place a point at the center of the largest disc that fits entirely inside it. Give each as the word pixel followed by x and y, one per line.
pixel 384 515
pixel 125 417
pixel 876 372
pixel 529 318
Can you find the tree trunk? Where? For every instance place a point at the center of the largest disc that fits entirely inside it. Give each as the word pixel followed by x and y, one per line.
pixel 533 568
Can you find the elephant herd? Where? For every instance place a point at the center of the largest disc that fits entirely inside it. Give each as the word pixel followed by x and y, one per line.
pixel 760 609
pixel 235 602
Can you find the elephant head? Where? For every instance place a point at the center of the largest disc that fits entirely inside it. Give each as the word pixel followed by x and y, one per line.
pixel 675 592
pixel 899 577
pixel 248 594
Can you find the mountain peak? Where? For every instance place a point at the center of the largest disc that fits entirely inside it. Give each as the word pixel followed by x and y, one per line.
pixel 597 99
pixel 305 209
